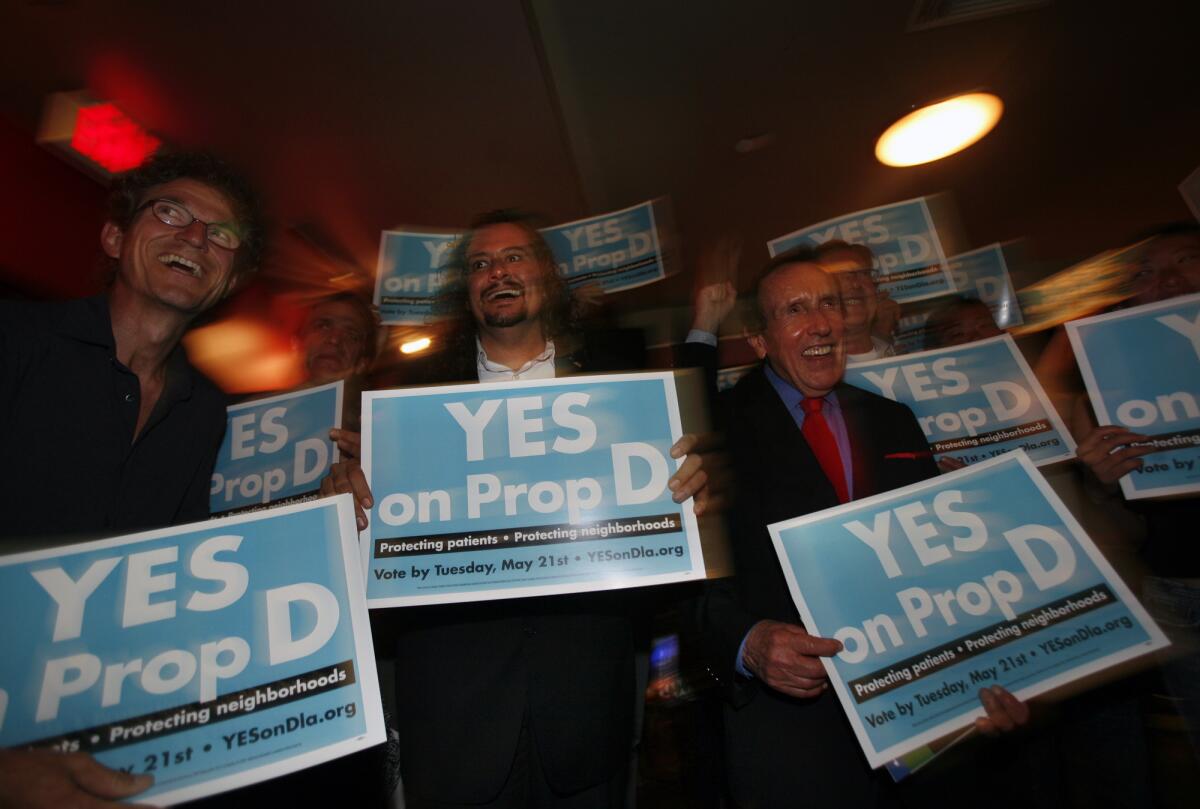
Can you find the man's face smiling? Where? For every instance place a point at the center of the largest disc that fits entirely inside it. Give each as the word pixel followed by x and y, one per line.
pixel 175 267
pixel 803 334
pixel 857 287
pixel 504 277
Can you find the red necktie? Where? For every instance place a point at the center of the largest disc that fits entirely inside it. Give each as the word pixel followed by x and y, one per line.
pixel 820 439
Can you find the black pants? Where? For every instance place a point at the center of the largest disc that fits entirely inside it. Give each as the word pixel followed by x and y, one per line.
pixel 527 787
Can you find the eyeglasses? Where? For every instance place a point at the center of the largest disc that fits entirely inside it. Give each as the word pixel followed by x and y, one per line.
pixel 172 213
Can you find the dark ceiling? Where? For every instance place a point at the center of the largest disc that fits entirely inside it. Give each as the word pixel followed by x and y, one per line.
pixel 357 116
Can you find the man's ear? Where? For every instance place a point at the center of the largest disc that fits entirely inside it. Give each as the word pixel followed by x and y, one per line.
pixel 111 239
pixel 759 345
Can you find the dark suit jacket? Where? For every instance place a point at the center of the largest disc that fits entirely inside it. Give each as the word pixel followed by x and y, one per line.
pixel 468 675
pixel 778 478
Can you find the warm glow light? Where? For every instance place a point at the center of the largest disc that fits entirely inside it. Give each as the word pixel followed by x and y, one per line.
pixel 243 355
pixel 939 130
pixel 413 346
pixel 109 137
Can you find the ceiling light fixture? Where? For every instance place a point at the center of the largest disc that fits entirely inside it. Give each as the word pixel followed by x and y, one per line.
pixel 939 130
pixel 95 135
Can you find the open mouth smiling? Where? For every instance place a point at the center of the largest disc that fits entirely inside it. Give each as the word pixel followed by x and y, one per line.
pixel 502 293
pixel 178 262
pixel 817 351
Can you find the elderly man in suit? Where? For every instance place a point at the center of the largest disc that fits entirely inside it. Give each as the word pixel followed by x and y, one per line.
pixel 802 441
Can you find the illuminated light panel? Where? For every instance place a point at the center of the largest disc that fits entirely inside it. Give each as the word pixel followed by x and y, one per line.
pixel 413 346
pixel 109 137
pixel 244 355
pixel 939 130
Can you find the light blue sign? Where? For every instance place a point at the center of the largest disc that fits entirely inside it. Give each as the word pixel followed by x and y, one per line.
pixel 276 449
pixel 980 274
pixel 619 250
pixel 211 656
pixel 525 488
pixel 1142 370
pixel 411 274
pixel 976 578
pixel 973 401
pixel 983 274
pixel 904 239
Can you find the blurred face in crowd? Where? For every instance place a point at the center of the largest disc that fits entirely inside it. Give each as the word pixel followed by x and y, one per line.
pixel 1169 266
pixel 334 340
pixel 183 268
pixel 968 323
pixel 505 276
pixel 857 284
pixel 803 332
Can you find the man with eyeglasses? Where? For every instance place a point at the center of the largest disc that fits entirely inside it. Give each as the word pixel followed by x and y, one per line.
pixel 528 701
pixel 869 313
pixel 106 427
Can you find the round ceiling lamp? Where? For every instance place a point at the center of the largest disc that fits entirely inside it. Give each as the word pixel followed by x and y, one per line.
pixel 938 130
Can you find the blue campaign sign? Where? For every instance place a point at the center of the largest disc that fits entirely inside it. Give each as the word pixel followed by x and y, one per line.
pixel 410 274
pixel 618 250
pixel 976 578
pixel 904 239
pixel 973 401
pixel 211 655
pixel 276 449
pixel 980 274
pixel 983 274
pixel 1142 371
pixel 524 488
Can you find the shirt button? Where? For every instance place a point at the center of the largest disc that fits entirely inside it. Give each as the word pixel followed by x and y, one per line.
pixel 529 631
pixel 129 397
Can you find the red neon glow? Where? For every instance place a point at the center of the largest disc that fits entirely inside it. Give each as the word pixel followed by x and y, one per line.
pixel 107 136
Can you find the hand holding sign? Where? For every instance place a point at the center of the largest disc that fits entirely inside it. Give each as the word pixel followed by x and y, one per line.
pixel 1005 713
pixel 1109 453
pixel 785 657
pixel 349 442
pixel 693 479
pixel 1140 367
pixel 31 779
pixel 347 477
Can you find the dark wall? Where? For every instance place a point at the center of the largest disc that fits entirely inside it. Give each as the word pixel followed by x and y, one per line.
pixel 50 218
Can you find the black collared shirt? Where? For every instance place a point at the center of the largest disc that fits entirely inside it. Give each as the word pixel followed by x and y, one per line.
pixel 69 464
